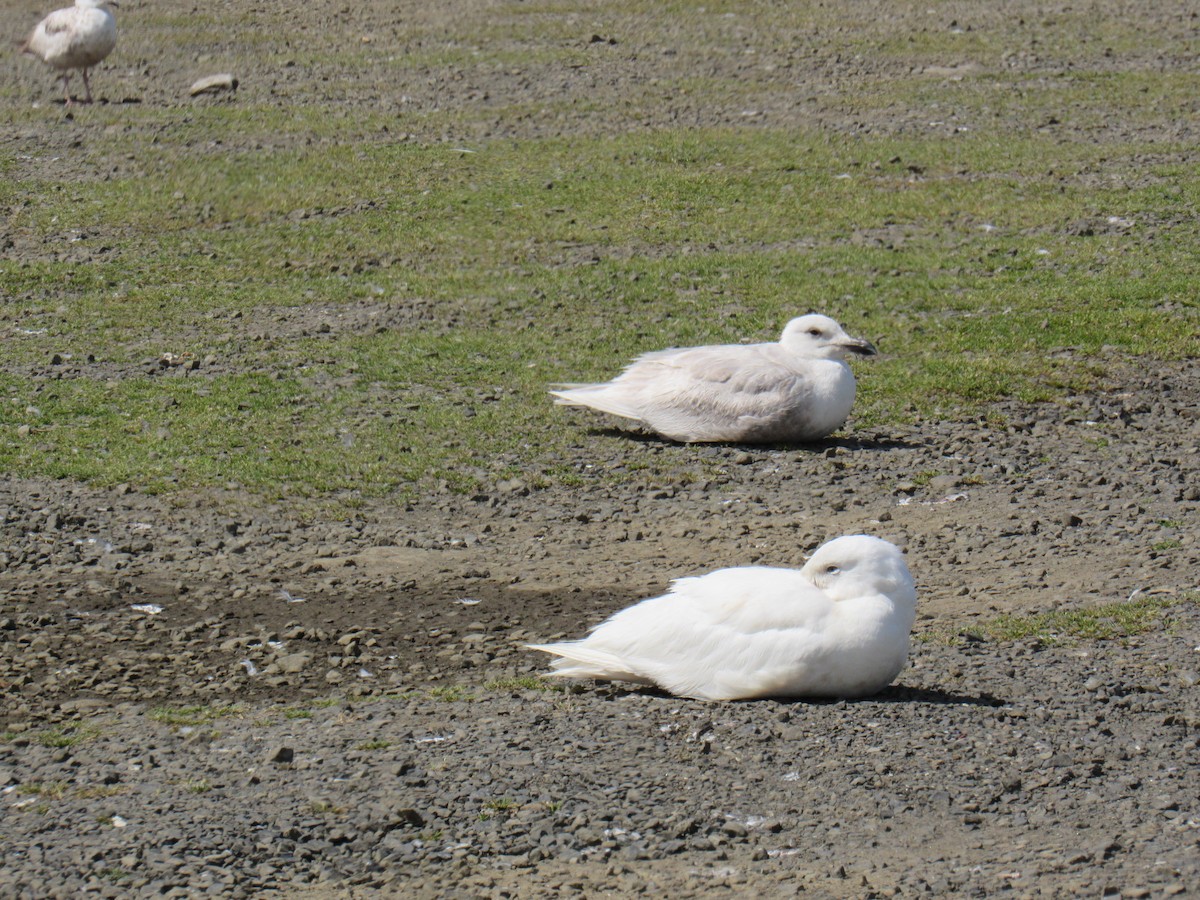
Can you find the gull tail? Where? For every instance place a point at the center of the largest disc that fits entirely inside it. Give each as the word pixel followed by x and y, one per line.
pixel 594 396
pixel 576 660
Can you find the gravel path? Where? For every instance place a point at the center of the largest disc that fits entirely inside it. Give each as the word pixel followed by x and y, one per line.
pixel 388 729
pixel 997 765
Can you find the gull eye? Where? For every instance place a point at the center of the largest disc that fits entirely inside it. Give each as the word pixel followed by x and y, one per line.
pixel 815 332
pixel 832 570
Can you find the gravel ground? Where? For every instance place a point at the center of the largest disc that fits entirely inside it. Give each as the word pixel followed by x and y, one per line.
pixel 363 719
pixel 386 731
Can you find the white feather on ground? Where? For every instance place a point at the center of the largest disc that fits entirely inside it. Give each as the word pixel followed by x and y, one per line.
pixel 838 627
pixel 77 37
pixel 797 389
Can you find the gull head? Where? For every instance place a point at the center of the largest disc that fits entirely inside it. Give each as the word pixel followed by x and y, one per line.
pixel 97 4
pixel 859 564
pixel 820 337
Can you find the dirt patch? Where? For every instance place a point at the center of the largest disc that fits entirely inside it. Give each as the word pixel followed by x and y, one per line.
pixel 117 604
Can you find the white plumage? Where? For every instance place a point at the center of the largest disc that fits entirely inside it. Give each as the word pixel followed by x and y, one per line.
pixel 838 627
pixel 77 37
pixel 798 389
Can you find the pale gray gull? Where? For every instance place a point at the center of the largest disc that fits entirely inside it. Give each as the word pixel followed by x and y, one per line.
pixel 838 627
pixel 77 37
pixel 798 389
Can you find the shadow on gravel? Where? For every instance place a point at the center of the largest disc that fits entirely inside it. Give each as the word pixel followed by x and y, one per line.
pixel 878 443
pixel 901 694
pixel 894 694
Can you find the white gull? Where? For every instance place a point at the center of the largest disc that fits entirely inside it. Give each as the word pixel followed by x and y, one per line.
pixel 838 627
pixel 797 389
pixel 76 37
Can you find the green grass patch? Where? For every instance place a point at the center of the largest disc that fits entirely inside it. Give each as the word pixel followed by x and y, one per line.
pixel 378 315
pixel 497 806
pixel 1107 622
pixel 326 807
pixel 191 716
pixel 67 735
pixel 522 683
pixel 450 693
pixel 114 874
pixel 374 744
pixel 53 790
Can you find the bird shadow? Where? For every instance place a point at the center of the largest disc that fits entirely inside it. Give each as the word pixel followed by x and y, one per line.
pixel 97 101
pixel 629 434
pixel 877 444
pixel 894 694
pixel 898 693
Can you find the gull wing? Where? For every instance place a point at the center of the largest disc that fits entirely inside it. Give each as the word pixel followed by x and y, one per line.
pixel 733 633
pixel 703 393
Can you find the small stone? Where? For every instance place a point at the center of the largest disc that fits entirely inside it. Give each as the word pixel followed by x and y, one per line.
pixel 410 816
pixel 293 662
pixel 281 755
pixel 213 84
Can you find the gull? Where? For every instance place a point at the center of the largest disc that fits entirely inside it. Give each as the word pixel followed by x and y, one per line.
pixel 797 389
pixel 76 37
pixel 838 627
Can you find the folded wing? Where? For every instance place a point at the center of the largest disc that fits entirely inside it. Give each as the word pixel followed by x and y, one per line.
pixel 701 394
pixel 733 633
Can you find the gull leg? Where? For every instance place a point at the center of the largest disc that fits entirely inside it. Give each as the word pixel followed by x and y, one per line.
pixel 66 89
pixel 87 87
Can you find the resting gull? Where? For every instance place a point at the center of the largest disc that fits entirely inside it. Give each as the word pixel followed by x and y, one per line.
pixel 838 627
pixel 798 389
pixel 76 37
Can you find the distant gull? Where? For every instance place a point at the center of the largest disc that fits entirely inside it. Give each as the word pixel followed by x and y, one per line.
pixel 798 389
pixel 838 627
pixel 76 37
